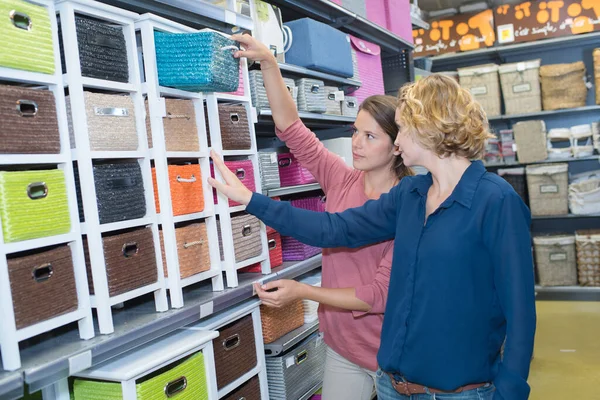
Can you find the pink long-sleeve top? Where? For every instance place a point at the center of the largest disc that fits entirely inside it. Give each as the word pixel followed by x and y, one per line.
pixel 353 334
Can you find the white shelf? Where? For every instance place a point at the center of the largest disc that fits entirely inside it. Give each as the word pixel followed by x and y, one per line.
pixel 417 22
pixel 542 114
pixel 250 261
pixel 282 191
pixel 191 217
pixel 108 155
pixel 212 11
pixel 290 69
pixel 128 296
pixel 312 116
pixel 237 208
pixel 178 93
pixel 187 154
pixel 17 75
pixel 25 245
pixel 202 276
pixel 46 326
pixel 117 226
pixel 237 153
pixel 23 159
pixel 93 83
pixel 239 382
pixel 232 97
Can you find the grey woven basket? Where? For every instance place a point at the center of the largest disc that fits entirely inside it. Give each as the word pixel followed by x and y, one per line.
pixel 350 106
pixel 311 95
pixel 102 50
pixel 246 236
pixel 259 93
pixel 119 191
pixel 334 107
pixel 548 189
pixel 181 132
pixel 556 259
pixel 269 170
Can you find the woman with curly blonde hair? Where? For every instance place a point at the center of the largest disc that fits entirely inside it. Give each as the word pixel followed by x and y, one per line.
pixel 462 271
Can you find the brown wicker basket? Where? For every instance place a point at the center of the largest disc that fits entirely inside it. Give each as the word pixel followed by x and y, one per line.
pixel 248 391
pixel 563 85
pixel 530 137
pixel 181 132
pixel 588 257
pixel 130 261
pixel 555 259
pixel 235 351
pixel 42 285
pixel 28 122
pixel 597 73
pixel 521 87
pixel 482 82
pixel 192 249
pixel 246 236
pixel 548 189
pixel 235 128
pixel 276 322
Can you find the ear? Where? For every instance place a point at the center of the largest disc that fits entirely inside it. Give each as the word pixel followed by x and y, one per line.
pixel 396 151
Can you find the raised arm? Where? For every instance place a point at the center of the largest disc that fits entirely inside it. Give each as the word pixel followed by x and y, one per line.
pixel 325 166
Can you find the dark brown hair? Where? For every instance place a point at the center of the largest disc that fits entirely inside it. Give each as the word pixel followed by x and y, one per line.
pixel 383 110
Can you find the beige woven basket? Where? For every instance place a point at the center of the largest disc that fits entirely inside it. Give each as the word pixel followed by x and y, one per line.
pixel 584 197
pixel 563 85
pixel 555 259
pixel 521 87
pixel 548 189
pixel 530 137
pixel 482 82
pixel 597 73
pixel 192 249
pixel 588 257
pixel 181 132
pixel 276 322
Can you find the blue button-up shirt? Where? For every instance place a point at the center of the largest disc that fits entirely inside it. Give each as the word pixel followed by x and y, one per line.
pixel 462 279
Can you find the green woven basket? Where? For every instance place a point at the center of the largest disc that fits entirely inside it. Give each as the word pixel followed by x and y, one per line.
pixel 26 37
pixel 186 381
pixel 33 204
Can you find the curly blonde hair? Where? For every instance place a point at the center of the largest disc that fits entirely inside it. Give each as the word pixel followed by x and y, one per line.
pixel 443 117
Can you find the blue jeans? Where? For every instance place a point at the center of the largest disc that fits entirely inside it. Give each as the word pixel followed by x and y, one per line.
pixel 385 391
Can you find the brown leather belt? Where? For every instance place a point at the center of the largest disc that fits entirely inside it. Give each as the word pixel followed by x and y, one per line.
pixel 408 388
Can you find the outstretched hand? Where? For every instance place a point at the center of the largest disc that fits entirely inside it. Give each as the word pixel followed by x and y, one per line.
pixel 287 290
pixel 233 188
pixel 254 50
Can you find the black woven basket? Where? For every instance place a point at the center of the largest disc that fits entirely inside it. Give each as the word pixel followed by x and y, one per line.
pixel 102 50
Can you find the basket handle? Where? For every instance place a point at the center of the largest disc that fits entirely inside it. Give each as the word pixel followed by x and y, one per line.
pixel 301 357
pixel 331 96
pixel 285 162
pixel 27 108
pixel 123 182
pixel 246 230
pixel 130 249
pixel 190 244
pixel 37 190
pixel 175 386
pixel 351 104
pixel 272 244
pixel 231 342
pixel 314 89
pixel 42 272
pixel 20 20
pixel 175 116
pixel 240 173
pixel 234 117
pixel 190 180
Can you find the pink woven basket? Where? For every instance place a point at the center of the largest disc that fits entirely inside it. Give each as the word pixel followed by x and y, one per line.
pixel 398 18
pixel 369 68
pixel 293 250
pixel 310 203
pixel 240 91
pixel 291 173
pixel 244 170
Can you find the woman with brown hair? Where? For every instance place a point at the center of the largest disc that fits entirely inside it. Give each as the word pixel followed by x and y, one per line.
pixel 462 276
pixel 354 283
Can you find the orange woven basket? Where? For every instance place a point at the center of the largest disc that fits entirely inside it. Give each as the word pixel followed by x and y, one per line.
pixel 276 322
pixel 186 189
pixel 192 249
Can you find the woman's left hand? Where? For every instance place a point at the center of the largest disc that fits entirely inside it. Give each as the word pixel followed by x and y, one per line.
pixel 287 290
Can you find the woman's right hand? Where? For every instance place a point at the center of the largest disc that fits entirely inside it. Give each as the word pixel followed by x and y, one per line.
pixel 233 188
pixel 255 51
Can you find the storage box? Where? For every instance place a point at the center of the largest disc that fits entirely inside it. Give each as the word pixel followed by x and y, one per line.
pixel 26 31
pixel 333 101
pixel 110 120
pixel 555 258
pixel 192 249
pixel 275 252
pixel 530 137
pixel 244 171
pixel 246 236
pixel 180 130
pixel 559 143
pixel 482 82
pixel 235 351
pixel 259 93
pixel 291 173
pixel 185 182
pixel 130 260
pixel 294 373
pixel 248 391
pixel 584 197
pixel 276 322
pixel 294 250
pixel 548 188
pixel 521 87
pixel 28 122
pixel 309 50
pixel 102 50
pixel 368 56
pixel 516 178
pixel 42 285
pixel 342 147
pixel 33 204
pixel 582 141
pixel 311 95
pixel 350 107
pixel 119 191
pixel 235 128
pixel 563 85
pixel 197 62
pixel 269 170
pixel 588 257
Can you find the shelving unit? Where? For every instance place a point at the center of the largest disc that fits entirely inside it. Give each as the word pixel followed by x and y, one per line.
pixel 573 293
pixel 76 84
pixel 294 71
pixel 549 161
pixel 289 340
pixel 10 335
pixel 542 114
pixel 146 25
pixel 11 385
pixel 284 191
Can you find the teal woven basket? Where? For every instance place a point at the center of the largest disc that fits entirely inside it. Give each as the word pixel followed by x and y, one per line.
pixel 196 62
pixel 33 204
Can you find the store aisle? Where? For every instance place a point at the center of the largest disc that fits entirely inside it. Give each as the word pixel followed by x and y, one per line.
pixel 567 351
